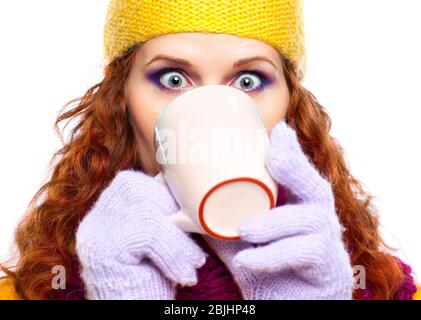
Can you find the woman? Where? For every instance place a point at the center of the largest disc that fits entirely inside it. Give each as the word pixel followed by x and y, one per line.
pixel 104 218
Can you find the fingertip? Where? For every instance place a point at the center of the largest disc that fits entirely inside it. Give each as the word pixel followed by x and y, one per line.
pixel 283 129
pixel 237 263
pixel 248 236
pixel 253 230
pixel 189 279
pixel 240 259
pixel 201 261
pixel 243 231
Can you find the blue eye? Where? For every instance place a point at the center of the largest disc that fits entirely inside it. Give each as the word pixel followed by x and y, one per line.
pixel 173 80
pixel 249 81
pixel 168 79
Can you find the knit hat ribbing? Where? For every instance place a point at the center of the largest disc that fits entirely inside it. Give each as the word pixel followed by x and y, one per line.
pixel 276 22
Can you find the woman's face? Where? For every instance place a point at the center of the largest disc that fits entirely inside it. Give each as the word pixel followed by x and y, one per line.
pixel 169 65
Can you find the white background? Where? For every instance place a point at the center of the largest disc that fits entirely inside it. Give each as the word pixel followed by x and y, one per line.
pixel 363 66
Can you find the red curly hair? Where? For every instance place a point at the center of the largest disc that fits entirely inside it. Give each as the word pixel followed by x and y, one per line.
pixel 102 143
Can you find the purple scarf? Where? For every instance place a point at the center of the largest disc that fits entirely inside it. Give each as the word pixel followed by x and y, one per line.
pixel 215 281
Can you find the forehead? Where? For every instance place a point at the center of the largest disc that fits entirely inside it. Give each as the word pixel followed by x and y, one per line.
pixel 199 46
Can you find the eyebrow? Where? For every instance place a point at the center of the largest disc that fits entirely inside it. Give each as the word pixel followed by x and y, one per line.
pixel 236 64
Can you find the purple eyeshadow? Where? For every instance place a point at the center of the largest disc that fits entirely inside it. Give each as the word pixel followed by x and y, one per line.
pixel 155 75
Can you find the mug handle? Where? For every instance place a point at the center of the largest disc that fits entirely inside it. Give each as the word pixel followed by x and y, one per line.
pixel 180 218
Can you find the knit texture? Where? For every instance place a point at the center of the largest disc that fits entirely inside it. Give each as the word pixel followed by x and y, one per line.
pixel 293 251
pixel 129 248
pixel 279 23
pixel 407 289
pixel 215 281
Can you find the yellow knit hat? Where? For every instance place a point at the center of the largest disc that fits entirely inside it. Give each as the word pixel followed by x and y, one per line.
pixel 276 22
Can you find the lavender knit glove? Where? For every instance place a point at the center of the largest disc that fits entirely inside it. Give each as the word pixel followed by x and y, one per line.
pixel 293 251
pixel 129 248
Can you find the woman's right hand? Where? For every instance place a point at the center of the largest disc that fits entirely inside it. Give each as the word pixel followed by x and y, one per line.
pixel 129 248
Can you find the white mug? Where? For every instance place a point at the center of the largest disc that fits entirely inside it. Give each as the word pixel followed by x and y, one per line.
pixel 211 143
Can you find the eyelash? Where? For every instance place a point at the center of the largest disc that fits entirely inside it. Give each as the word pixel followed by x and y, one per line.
pixel 155 78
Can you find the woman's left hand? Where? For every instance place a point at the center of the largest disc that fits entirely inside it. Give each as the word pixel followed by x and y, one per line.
pixel 293 251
